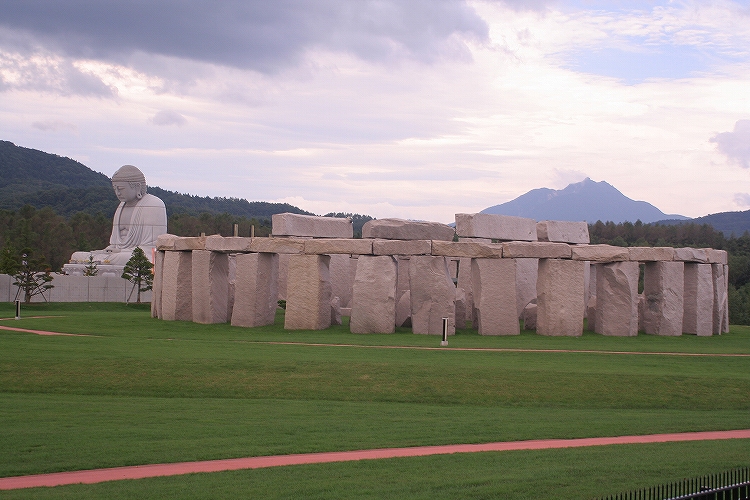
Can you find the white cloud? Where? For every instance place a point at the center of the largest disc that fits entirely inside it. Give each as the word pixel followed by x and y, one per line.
pixel 167 117
pixel 736 144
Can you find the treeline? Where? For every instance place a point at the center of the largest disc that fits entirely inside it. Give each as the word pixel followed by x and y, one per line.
pixel 56 237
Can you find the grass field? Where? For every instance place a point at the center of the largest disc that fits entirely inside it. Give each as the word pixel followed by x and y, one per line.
pixel 139 390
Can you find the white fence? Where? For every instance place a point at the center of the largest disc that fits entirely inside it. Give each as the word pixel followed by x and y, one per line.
pixel 77 289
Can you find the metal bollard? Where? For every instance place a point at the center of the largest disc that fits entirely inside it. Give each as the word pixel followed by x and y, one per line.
pixel 444 342
pixel 18 309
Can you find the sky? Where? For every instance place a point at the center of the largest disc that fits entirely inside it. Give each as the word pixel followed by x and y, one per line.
pixel 415 109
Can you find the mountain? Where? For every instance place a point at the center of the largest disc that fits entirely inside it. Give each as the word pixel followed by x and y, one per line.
pixel 587 200
pixel 33 177
pixel 729 223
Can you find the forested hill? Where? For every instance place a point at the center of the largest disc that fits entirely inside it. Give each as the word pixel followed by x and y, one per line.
pixel 33 177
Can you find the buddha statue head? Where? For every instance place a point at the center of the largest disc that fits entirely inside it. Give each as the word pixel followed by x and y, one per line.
pixel 129 184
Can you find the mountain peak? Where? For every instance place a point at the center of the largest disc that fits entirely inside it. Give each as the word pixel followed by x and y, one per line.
pixel 587 200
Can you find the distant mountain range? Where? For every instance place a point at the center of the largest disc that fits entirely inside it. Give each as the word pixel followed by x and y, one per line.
pixel 593 201
pixel 587 200
pixel 39 179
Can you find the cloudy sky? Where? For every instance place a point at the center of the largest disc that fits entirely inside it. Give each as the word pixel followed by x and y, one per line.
pixel 393 108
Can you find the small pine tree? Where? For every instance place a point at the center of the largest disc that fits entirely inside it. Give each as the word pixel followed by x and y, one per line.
pixel 32 276
pixel 9 261
pixel 139 271
pixel 91 269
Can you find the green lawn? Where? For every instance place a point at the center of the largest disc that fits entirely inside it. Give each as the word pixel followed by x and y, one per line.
pixel 140 390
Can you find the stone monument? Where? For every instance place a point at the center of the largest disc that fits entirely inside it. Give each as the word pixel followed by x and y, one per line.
pixel 139 220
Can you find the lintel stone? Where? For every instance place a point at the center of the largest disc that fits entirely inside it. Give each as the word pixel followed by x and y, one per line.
pixel 651 254
pixel 467 249
pixel 716 256
pixel 563 231
pixel 228 244
pixel 536 250
pixel 400 229
pixel 288 224
pixel 277 245
pixel 401 247
pixel 166 241
pixel 691 255
pixel 600 253
pixel 499 227
pixel 338 246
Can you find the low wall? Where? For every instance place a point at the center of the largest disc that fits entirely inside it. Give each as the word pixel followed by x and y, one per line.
pixel 77 289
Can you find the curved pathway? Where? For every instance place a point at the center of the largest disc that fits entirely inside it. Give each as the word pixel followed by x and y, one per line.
pixel 156 470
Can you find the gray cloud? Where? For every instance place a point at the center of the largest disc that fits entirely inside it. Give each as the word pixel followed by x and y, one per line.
pixel 742 199
pixel 49 75
pixel 736 144
pixel 249 34
pixel 54 126
pixel 168 118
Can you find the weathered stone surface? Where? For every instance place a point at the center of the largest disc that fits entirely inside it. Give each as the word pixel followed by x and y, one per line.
pixel 464 282
pixel 342 278
pixel 617 299
pixel 433 295
pixel 563 231
pixel 157 285
pixel 536 250
pixel 560 297
pixel 529 316
pixel 338 246
pixel 651 254
pixel 716 256
pixel 591 314
pixel 663 286
pixel 189 243
pixel 308 301
pixel 283 274
pixel 691 255
pixel 287 224
pixel 599 253
pixel 698 301
pixel 256 289
pixel 399 229
pixel 277 245
pixel 467 249
pixel 228 244
pixel 336 311
pixel 210 287
pixel 166 241
pixel 401 247
pixel 725 316
pixel 177 287
pixel 374 295
pixel 403 309
pixel 719 317
pixel 494 284
pixel 475 240
pixel 526 276
pixel 499 227
pixel 460 314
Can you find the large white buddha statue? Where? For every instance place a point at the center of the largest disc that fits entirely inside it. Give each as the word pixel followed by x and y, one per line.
pixel 139 220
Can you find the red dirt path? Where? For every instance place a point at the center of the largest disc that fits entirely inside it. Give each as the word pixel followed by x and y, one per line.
pixel 156 470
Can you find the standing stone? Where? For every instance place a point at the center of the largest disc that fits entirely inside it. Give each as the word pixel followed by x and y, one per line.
pixel 177 287
pixel 460 313
pixel 617 299
pixel 464 282
pixel 725 317
pixel 256 289
pixel 210 287
pixel 526 276
pixel 403 310
pixel 283 274
pixel 560 297
pixel 697 317
pixel 374 295
pixel 341 286
pixel 529 316
pixel 157 284
pixel 336 311
pixel 663 286
pixel 433 295
pixel 720 299
pixel 591 314
pixel 308 303
pixel 494 282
